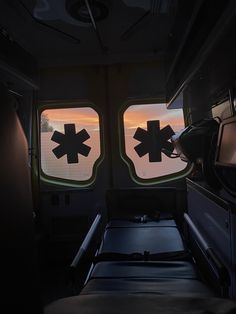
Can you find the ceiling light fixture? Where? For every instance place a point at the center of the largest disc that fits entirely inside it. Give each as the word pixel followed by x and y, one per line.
pixel 78 10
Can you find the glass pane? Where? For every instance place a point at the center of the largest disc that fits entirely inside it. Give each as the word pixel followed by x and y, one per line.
pixel 136 116
pixel 70 142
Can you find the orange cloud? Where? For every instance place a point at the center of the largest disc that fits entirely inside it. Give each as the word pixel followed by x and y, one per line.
pixel 137 116
pixel 72 115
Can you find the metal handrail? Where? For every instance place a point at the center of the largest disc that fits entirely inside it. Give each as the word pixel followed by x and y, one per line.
pixel 218 267
pixel 87 240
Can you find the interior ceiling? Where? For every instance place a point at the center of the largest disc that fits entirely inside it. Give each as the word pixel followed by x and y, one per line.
pixel 62 32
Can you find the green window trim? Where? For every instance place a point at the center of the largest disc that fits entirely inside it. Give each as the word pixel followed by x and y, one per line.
pixel 130 164
pixel 57 181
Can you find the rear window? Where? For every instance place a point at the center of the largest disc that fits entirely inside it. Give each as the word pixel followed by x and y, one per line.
pixel 70 143
pixel 147 126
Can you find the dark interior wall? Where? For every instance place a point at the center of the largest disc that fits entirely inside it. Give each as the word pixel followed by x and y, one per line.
pixel 92 82
pixel 24 107
pixel 215 77
pixel 206 63
pixel 18 265
pixel 212 83
pixel 130 84
pixel 110 88
pixel 68 212
pixel 72 83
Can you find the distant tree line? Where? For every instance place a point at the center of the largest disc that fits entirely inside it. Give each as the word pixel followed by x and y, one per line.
pixel 45 126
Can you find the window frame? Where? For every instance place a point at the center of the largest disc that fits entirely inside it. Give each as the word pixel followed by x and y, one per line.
pixel 131 167
pixel 47 105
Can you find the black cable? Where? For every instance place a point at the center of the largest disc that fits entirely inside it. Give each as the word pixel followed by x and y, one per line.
pixel 47 25
pixel 104 49
pixel 172 155
pixel 132 27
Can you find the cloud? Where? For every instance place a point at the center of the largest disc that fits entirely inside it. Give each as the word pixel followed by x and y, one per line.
pixel 138 115
pixel 82 117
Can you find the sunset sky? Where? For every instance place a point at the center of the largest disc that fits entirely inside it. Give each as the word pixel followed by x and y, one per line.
pixel 138 115
pixel 82 117
pixel 135 116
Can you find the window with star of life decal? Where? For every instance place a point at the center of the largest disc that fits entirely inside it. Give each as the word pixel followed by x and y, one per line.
pixel 138 120
pixel 70 142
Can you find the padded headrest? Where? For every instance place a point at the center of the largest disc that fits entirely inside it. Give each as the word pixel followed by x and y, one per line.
pixel 195 140
pixel 197 144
